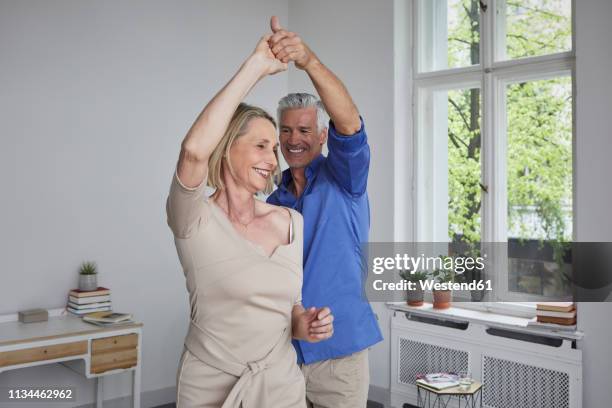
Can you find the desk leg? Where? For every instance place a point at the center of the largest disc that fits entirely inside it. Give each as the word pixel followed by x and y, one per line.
pixel 136 387
pixel 99 391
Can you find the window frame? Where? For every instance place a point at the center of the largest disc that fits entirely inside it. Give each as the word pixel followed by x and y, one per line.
pixel 493 76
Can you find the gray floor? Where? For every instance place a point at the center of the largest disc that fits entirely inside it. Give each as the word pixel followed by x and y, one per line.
pixel 370 405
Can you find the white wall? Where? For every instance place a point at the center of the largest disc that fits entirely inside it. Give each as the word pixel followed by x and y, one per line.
pixel 593 188
pixel 95 98
pixel 354 38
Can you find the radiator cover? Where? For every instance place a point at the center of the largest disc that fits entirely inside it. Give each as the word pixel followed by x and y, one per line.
pixel 515 373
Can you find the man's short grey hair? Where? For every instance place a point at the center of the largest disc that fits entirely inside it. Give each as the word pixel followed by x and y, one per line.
pixel 303 100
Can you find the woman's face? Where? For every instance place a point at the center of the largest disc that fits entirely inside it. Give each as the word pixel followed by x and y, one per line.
pixel 253 155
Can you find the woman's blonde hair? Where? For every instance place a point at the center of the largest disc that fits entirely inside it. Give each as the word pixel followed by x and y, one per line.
pixel 238 126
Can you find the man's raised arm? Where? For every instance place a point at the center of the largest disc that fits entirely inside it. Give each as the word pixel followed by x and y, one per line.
pixel 288 46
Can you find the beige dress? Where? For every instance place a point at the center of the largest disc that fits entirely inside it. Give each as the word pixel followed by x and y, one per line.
pixel 238 350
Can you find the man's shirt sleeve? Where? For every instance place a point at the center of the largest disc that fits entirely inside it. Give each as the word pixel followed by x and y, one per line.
pixel 349 159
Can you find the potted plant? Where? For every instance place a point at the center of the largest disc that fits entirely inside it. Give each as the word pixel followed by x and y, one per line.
pixel 88 274
pixel 471 273
pixel 414 296
pixel 442 298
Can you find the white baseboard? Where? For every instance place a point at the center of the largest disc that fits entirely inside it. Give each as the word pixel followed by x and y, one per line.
pixel 147 399
pixel 380 395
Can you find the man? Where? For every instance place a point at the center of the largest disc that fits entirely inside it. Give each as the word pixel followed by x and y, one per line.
pixel 330 192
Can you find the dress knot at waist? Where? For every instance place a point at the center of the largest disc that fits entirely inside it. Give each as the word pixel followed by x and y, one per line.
pixel 256 366
pixel 250 390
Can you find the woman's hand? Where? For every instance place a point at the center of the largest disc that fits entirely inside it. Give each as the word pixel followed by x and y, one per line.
pixel 264 58
pixel 312 325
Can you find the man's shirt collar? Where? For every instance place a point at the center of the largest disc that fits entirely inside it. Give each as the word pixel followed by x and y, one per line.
pixel 311 169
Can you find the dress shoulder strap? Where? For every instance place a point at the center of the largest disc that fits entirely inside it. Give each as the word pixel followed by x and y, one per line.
pixel 290 226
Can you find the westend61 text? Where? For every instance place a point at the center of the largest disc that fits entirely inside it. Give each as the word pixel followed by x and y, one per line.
pixel 379 285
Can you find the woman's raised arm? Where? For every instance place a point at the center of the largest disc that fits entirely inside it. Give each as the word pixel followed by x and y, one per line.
pixel 212 122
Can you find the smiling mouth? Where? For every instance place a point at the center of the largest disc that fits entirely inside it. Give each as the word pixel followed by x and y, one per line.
pixel 263 173
pixel 296 151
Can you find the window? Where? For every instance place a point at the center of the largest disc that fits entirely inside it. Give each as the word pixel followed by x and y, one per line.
pixel 539 184
pixel 449 34
pixel 493 109
pixel 533 27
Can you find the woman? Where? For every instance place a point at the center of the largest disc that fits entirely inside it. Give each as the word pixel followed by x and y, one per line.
pixel 242 258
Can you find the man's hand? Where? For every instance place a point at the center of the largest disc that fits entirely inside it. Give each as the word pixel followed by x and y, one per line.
pixel 288 46
pixel 313 325
pixel 265 59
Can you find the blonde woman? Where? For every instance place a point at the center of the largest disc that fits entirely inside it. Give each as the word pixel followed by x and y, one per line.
pixel 242 258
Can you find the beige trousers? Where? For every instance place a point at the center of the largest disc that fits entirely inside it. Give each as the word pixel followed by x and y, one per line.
pixel 338 383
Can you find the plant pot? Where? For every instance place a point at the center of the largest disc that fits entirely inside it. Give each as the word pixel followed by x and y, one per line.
pixel 477 295
pixel 88 282
pixel 442 299
pixel 414 297
pixel 474 275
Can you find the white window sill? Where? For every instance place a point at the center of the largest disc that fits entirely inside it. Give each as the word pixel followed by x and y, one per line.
pixel 489 319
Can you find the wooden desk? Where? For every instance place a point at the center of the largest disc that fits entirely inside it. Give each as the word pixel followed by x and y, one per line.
pixel 89 350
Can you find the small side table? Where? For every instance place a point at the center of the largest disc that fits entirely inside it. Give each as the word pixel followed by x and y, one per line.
pixel 428 397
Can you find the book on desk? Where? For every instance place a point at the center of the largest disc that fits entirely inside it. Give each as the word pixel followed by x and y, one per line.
pixel 107 319
pixel 82 302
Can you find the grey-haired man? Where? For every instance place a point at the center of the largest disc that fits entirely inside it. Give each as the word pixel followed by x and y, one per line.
pixel 331 194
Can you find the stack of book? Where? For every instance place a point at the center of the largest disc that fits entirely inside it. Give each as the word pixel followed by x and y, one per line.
pixel 555 315
pixel 106 319
pixel 82 302
pixel 438 381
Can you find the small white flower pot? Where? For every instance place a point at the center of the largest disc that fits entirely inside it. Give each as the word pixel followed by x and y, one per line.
pixel 88 282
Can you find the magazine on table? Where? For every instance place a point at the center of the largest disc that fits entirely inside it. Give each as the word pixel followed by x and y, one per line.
pixel 107 318
pixel 438 381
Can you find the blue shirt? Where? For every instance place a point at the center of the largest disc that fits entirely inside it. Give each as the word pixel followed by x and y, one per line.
pixel 336 214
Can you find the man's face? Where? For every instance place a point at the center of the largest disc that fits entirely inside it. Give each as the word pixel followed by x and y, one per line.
pixel 299 140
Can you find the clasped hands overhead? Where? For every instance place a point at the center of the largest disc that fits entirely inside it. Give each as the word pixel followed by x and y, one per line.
pixel 276 50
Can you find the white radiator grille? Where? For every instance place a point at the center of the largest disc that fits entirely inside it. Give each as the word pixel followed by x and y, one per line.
pixel 417 357
pixel 509 384
pixel 515 373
